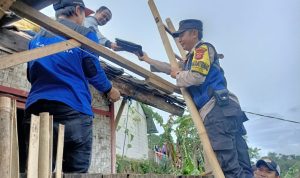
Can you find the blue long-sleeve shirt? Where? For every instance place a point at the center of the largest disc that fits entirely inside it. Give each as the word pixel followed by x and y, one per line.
pixel 65 76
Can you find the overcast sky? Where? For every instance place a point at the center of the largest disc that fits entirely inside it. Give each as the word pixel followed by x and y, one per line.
pixel 261 43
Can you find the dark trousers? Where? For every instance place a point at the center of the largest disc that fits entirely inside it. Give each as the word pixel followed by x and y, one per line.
pixel 78 133
pixel 225 129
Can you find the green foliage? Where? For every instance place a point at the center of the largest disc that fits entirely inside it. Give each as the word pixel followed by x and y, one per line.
pixel 151 114
pixel 254 154
pixel 134 166
pixel 153 140
pixel 289 164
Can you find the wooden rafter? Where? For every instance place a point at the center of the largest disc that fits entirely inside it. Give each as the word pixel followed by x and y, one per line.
pixel 17 43
pixel 48 23
pixel 4 6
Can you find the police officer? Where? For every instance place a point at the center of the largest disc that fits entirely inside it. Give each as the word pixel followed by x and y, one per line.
pixel 204 79
pixel 60 86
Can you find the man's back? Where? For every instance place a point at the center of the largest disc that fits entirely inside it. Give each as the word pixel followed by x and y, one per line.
pixel 61 77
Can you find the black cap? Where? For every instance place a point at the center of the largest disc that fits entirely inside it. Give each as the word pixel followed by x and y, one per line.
pixel 188 24
pixel 270 164
pixel 65 3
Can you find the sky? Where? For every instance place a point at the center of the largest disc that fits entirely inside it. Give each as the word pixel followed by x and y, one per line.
pixel 260 40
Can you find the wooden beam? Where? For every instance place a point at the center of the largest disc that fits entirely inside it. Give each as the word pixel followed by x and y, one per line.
pixel 157 101
pixel 44 146
pixel 198 122
pixel 5 136
pixel 15 169
pixel 33 158
pixel 60 150
pixel 163 34
pixel 29 55
pixel 159 85
pixel 148 98
pixel 58 28
pixel 172 30
pixel 4 6
pixel 13 40
pixel 120 111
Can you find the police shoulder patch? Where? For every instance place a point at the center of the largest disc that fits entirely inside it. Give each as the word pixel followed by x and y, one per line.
pixel 201 61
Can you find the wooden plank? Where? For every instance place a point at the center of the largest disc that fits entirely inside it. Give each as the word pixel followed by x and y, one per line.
pixel 154 99
pixel 13 40
pixel 51 142
pixel 33 158
pixel 120 111
pixel 60 150
pixel 58 28
pixel 198 122
pixel 15 169
pixel 162 32
pixel 146 97
pixel 29 55
pixel 160 86
pixel 44 146
pixel 5 136
pixel 172 30
pixel 4 6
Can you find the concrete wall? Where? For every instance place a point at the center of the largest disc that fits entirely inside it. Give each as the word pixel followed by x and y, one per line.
pixel 136 143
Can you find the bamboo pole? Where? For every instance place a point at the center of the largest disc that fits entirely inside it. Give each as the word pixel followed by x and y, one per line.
pixel 59 152
pixel 5 136
pixel 217 171
pixel 33 153
pixel 44 146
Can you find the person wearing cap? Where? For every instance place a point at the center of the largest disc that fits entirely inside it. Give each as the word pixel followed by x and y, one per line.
pixel 203 77
pixel 60 86
pixel 267 168
pixel 101 17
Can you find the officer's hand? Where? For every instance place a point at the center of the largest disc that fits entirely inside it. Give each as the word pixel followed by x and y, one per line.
pixel 174 72
pixel 114 94
pixel 115 47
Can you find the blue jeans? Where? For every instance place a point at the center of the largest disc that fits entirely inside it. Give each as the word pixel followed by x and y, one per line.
pixel 78 133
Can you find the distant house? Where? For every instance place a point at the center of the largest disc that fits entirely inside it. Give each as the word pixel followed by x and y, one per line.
pixel 132 130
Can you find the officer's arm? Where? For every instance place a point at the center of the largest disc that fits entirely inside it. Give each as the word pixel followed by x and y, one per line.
pixel 201 62
pixel 156 65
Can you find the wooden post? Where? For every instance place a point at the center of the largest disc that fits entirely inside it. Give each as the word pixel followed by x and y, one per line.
pixel 120 111
pixel 172 30
pixel 60 149
pixel 5 136
pixel 33 153
pixel 44 146
pixel 37 17
pixel 51 143
pixel 189 102
pixel 15 169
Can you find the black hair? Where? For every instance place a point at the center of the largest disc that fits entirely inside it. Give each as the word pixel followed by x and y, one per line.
pixel 68 11
pixel 102 8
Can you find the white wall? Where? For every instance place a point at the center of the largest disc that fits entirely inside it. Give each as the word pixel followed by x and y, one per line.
pixel 137 127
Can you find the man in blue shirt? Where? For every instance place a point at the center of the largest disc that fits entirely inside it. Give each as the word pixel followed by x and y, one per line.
pixel 60 86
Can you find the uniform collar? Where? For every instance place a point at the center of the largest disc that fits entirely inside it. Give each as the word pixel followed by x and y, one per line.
pixel 192 50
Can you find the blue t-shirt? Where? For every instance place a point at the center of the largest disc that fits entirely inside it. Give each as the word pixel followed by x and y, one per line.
pixel 61 76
